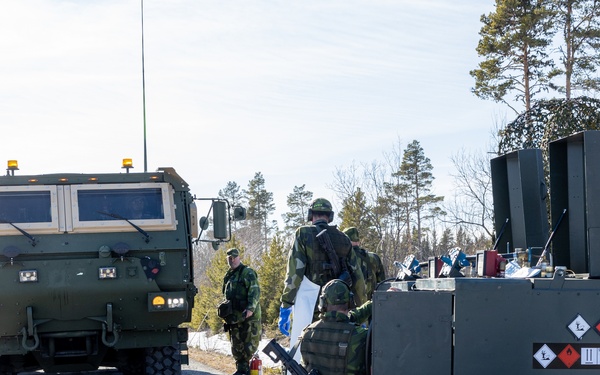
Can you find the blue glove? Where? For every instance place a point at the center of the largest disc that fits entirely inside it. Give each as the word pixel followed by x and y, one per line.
pixel 284 320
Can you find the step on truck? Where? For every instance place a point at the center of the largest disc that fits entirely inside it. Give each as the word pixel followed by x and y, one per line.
pixel 96 270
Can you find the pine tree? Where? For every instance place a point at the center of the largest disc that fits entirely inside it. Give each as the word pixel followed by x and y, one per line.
pixel 415 171
pixel 298 202
pixel 579 21
pixel 271 271
pixel 514 42
pixel 260 206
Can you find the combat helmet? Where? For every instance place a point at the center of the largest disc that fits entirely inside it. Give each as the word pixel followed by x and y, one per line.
pixel 335 292
pixel 320 205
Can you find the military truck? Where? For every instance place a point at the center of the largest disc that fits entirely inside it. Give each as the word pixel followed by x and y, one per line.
pixel 96 270
pixel 540 314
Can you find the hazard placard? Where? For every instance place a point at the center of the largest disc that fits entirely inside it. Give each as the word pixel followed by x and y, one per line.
pixel 579 327
pixel 566 356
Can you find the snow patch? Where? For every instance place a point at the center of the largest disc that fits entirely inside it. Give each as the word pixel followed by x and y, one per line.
pixel 220 343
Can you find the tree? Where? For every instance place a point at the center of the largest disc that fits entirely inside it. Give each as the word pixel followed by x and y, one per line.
pixel 271 271
pixel 260 206
pixel 579 22
pixel 233 195
pixel 472 206
pixel 298 202
pixel 514 42
pixel 355 212
pixel 415 172
pixel 549 120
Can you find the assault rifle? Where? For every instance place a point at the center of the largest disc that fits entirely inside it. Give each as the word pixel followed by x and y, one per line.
pixel 277 353
pixel 340 269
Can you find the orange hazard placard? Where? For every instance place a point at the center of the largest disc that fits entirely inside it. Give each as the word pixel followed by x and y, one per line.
pixel 569 356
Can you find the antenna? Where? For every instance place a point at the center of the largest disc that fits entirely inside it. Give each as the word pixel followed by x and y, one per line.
pixel 144 93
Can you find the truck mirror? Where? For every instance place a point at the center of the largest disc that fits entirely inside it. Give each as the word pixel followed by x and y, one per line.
pixel 220 220
pixel 239 213
pixel 203 223
pixel 215 245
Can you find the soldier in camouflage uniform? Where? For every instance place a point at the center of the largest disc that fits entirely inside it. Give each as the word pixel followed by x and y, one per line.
pixel 240 286
pixel 370 263
pixel 308 259
pixel 333 345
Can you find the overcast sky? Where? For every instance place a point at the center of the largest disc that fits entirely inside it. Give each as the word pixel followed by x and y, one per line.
pixel 293 89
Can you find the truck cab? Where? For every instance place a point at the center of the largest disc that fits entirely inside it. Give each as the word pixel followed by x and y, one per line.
pixel 97 271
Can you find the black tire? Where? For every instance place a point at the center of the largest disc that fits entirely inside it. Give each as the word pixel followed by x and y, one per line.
pixel 164 360
pixel 133 368
pixel 132 362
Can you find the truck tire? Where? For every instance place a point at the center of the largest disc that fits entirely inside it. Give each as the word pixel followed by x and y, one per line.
pixel 164 360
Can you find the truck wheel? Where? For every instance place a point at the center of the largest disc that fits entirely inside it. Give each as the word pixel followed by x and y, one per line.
pixel 131 362
pixel 164 360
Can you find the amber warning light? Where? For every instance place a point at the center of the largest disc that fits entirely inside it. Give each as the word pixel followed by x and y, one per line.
pixel 11 167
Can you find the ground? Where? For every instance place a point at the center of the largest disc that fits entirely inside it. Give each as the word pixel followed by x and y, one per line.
pixel 214 350
pixel 213 359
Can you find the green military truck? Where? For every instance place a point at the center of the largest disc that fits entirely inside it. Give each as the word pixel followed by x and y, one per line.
pixel 96 270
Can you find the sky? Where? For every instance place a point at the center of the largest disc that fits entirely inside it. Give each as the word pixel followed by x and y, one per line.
pixel 291 89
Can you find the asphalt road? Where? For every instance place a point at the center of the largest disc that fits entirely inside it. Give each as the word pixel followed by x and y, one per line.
pixel 194 368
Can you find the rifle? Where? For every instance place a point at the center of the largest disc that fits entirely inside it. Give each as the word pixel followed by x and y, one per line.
pixel 277 353
pixel 340 269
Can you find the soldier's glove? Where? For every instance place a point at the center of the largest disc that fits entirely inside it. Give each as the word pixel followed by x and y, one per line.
pixel 284 320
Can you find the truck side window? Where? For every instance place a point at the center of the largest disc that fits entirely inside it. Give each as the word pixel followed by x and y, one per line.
pixel 25 207
pixel 131 204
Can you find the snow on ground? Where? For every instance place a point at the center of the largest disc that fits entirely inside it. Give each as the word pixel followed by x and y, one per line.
pixel 220 344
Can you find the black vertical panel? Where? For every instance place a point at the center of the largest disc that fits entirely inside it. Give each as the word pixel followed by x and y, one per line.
pixel 559 200
pixel 519 194
pixel 575 183
pixel 501 206
pixel 412 332
pixel 592 185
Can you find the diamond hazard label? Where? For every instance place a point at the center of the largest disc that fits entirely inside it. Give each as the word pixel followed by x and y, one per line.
pixel 544 356
pixel 571 356
pixel 579 327
pixel 568 356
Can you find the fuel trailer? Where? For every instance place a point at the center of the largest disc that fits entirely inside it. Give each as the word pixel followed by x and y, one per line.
pixel 543 318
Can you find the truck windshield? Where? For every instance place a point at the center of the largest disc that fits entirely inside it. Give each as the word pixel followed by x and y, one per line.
pixel 25 207
pixel 131 204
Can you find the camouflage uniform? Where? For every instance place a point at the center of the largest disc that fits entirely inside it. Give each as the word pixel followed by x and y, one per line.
pixel 240 286
pixel 362 314
pixel 333 345
pixel 370 263
pixel 307 258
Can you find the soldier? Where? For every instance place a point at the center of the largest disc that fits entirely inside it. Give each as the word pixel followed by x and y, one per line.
pixel 309 260
pixel 370 263
pixel 241 311
pixel 334 345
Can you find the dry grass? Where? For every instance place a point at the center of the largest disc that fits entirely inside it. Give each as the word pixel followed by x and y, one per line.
pixel 211 358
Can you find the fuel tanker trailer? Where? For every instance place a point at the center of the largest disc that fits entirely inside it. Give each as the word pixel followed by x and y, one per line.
pixel 530 305
pixel 96 269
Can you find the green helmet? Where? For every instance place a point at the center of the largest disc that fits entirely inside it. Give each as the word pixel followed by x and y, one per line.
pixel 335 292
pixel 320 205
pixel 352 233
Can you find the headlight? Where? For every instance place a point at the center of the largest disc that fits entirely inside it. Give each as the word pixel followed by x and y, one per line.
pixel 28 276
pixel 175 303
pixel 107 273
